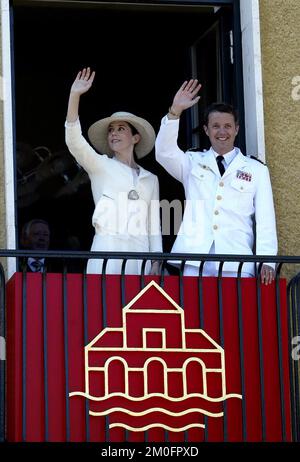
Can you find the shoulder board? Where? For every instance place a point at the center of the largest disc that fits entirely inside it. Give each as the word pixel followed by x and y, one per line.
pixel 194 150
pixel 255 158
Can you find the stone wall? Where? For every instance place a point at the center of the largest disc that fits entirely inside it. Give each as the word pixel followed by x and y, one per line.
pixel 280 32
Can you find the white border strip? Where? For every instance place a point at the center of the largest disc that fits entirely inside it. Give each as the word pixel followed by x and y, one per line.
pixel 252 70
pixel 8 135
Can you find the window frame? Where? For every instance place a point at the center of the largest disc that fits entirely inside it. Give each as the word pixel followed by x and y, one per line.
pixel 246 48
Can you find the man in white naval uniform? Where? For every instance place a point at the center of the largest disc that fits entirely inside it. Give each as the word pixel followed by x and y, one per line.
pixel 225 191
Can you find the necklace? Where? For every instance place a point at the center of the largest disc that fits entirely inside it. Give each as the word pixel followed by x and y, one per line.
pixel 132 194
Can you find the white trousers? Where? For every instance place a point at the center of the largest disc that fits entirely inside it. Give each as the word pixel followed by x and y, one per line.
pixel 111 243
pixel 209 269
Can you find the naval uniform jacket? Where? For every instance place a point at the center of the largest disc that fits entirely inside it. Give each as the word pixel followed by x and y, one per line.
pixel 219 210
pixel 111 181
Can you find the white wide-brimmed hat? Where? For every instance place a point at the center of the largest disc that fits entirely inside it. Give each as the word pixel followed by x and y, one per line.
pixel 98 132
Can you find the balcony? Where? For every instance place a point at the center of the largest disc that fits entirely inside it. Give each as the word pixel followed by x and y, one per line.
pixel 213 359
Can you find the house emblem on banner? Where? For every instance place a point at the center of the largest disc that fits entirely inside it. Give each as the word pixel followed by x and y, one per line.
pixel 153 371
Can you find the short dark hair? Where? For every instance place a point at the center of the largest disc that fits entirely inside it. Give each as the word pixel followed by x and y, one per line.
pixel 220 107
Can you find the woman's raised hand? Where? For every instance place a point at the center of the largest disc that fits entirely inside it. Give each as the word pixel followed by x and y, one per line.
pixel 83 81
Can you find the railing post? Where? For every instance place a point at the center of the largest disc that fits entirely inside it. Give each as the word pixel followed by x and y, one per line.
pixel 294 309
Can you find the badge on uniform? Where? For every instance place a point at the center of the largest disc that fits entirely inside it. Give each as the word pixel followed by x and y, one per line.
pixel 204 166
pixel 243 175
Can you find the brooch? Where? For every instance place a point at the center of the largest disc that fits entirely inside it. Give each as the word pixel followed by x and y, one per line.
pixel 133 195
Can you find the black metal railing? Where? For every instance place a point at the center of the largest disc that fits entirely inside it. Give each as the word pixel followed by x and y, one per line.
pixel 2 354
pixel 294 340
pixel 293 299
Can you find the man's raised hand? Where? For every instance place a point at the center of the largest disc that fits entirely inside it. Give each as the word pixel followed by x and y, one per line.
pixel 186 96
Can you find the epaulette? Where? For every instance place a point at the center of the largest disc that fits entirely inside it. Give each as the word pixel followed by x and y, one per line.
pixel 255 158
pixel 194 150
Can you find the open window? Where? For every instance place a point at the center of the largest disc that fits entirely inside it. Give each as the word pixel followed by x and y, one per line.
pixel 141 54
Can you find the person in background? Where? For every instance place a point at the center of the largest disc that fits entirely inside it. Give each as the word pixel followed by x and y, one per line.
pixel 126 196
pixel 226 192
pixel 35 235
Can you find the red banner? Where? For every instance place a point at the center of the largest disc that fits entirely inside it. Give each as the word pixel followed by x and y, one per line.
pixel 150 368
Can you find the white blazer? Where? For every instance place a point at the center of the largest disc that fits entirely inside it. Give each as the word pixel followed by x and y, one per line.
pixel 135 224
pixel 219 210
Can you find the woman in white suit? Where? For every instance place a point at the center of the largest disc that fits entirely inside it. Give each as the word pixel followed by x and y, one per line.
pixel 126 196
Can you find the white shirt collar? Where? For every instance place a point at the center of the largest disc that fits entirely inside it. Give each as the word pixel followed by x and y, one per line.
pixel 31 262
pixel 228 157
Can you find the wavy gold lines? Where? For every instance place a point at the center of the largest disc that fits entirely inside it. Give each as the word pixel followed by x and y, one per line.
pixel 156 409
pixel 155 425
pixel 152 395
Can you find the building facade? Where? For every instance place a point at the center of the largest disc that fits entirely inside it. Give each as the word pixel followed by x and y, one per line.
pixel 270 57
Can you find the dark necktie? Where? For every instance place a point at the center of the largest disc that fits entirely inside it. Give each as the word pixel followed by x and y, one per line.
pixel 36 265
pixel 220 165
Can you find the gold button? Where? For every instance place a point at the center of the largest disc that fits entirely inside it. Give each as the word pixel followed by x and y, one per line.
pixel 219 198
pixel 221 183
pixel 215 227
pixel 242 188
pixel 216 212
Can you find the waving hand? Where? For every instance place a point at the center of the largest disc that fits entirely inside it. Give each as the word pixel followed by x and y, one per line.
pixel 186 96
pixel 83 81
pixel 81 85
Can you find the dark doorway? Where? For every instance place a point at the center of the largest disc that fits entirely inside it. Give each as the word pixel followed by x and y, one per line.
pixel 141 55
